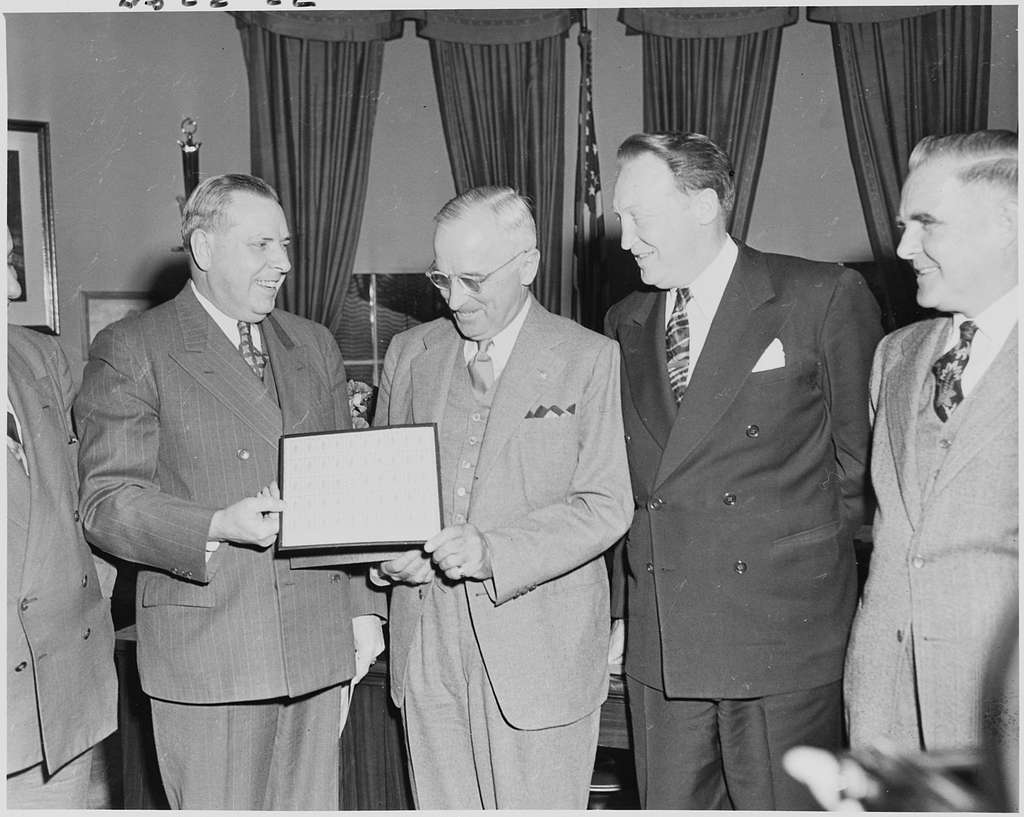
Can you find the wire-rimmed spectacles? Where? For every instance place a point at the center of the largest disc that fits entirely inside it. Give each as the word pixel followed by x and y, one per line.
pixel 471 283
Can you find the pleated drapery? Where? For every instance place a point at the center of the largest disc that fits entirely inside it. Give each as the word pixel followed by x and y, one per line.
pixel 500 78
pixel 313 88
pixel 904 73
pixel 712 71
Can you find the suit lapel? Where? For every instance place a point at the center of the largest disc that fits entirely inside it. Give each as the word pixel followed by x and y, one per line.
pixel 902 403
pixel 990 409
pixel 642 339
pixel 532 365
pixel 432 373
pixel 208 356
pixel 749 317
pixel 30 390
pixel 289 363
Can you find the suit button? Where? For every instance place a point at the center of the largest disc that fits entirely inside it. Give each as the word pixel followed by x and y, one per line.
pixel 243 454
pixel 740 567
pixel 76 516
pixel 460 491
pixel 899 635
pixel 473 441
pixel 85 580
pixel 459 519
pixel 650 567
pixel 335 577
pixel 753 431
pixel 21 666
pixel 86 633
pixel 72 439
pixel 945 443
pixel 651 506
pixel 476 416
pixel 917 561
pixel 187 574
pixel 24 605
pixel 729 499
pixel 628 438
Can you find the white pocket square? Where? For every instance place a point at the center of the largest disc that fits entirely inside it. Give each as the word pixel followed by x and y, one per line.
pixel 773 357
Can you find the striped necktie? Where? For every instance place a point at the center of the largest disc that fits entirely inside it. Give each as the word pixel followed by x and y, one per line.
pixel 677 344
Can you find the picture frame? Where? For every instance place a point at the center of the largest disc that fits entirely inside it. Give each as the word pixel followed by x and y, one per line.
pixel 30 219
pixel 100 309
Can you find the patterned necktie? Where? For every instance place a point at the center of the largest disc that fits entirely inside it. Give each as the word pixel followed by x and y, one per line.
pixel 481 369
pixel 256 359
pixel 949 371
pixel 14 444
pixel 677 344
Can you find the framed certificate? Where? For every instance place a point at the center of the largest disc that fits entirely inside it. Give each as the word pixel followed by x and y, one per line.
pixel 367 494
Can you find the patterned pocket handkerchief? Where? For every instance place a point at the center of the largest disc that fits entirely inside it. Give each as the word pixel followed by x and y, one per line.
pixel 550 412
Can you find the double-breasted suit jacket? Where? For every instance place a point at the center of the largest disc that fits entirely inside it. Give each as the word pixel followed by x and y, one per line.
pixel 61 685
pixel 174 425
pixel 739 573
pixel 551 494
pixel 944 570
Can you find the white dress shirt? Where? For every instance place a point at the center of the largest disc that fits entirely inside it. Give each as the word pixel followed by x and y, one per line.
pixel 227 324
pixel 707 291
pixel 502 343
pixel 994 326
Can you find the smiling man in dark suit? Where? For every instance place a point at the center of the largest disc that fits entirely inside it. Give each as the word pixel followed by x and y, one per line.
pixel 181 409
pixel 745 400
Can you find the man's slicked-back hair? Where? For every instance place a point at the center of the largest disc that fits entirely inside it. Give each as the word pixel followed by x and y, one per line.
pixel 985 156
pixel 205 208
pixel 696 162
pixel 511 210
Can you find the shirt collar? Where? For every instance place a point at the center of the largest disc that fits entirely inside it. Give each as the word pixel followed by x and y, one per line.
pixel 504 340
pixel 996 321
pixel 708 287
pixel 227 324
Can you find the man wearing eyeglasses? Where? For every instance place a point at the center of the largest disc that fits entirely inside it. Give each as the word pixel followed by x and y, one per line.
pixel 499 624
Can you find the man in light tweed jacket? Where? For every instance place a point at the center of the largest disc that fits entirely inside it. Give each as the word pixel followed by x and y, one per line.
pixel 944 463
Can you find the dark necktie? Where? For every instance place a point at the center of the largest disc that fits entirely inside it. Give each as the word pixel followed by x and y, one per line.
pixel 677 344
pixel 949 372
pixel 14 444
pixel 256 359
pixel 481 369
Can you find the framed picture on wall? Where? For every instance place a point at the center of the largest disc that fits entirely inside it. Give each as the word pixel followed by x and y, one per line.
pixel 101 309
pixel 30 219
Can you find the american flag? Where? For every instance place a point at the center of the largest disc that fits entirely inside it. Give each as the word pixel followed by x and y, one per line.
pixel 588 219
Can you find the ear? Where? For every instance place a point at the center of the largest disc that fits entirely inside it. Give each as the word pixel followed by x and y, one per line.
pixel 706 206
pixel 529 267
pixel 200 245
pixel 1007 221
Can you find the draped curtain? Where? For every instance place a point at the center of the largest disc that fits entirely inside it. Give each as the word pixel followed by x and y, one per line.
pixel 904 73
pixel 313 85
pixel 712 70
pixel 500 78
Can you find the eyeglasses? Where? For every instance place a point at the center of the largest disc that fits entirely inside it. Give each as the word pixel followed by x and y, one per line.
pixel 471 283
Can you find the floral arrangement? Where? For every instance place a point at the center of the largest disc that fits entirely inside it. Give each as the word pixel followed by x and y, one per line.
pixel 360 403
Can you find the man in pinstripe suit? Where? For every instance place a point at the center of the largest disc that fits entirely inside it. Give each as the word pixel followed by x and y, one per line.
pixel 180 412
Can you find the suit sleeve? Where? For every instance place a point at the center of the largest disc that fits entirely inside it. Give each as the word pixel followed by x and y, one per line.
pixel 598 506
pixel 617 555
pixel 124 510
pixel 850 333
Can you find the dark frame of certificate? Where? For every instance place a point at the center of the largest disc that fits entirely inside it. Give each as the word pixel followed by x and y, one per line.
pixel 356 550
